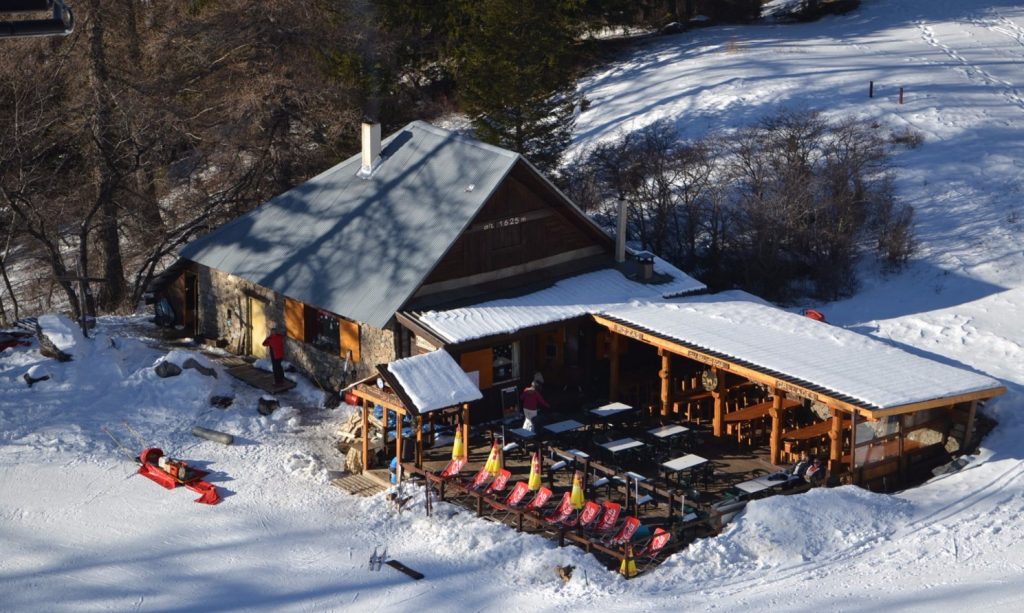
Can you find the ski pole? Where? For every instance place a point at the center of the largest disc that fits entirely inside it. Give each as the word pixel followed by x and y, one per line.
pixel 138 437
pixel 120 446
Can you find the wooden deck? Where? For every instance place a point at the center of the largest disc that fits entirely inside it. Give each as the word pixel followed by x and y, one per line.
pixel 260 379
pixel 729 464
pixel 360 485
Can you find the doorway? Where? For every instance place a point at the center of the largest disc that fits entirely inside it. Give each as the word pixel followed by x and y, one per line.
pixel 257 326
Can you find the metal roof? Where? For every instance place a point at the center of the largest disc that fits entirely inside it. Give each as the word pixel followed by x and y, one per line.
pixel 361 247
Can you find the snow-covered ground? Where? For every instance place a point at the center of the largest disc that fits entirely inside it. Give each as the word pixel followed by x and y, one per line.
pixel 78 532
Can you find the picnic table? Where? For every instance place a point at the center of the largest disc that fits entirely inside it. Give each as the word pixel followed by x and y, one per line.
pixel 622 444
pixel 764 482
pixel 737 419
pixel 561 427
pixel 688 400
pixel 611 411
pixel 794 440
pixel 667 432
pixel 678 465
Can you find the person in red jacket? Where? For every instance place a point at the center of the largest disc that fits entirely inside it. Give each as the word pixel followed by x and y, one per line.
pixel 276 344
pixel 532 401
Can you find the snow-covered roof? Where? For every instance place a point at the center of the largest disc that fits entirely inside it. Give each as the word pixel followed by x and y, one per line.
pixel 740 326
pixel 433 381
pixel 359 247
pixel 733 325
pixel 569 298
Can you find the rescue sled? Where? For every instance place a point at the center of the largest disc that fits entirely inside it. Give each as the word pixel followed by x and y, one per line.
pixel 171 473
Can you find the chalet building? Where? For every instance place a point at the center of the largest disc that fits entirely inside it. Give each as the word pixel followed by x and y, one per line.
pixel 429 241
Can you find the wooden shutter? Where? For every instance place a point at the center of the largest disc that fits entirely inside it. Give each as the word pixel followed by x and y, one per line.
pixel 294 319
pixel 481 361
pixel 348 335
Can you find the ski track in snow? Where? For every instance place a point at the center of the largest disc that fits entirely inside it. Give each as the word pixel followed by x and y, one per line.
pixel 973 71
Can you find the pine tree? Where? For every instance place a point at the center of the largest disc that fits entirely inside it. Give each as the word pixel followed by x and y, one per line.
pixel 515 74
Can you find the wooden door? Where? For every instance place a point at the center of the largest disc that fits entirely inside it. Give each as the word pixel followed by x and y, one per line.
pixel 257 327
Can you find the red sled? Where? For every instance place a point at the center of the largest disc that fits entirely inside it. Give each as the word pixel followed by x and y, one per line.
pixel 171 473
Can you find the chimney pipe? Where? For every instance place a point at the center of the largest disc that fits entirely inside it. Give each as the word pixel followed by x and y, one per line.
pixel 371 148
pixel 620 237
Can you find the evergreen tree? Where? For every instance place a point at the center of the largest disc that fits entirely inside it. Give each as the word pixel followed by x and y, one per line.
pixel 515 75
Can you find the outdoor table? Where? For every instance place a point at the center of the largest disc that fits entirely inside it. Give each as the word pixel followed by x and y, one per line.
pixel 573 454
pixel 762 483
pixel 667 432
pixel 562 427
pixel 678 465
pixel 521 434
pixel 611 411
pixel 622 444
pixel 616 447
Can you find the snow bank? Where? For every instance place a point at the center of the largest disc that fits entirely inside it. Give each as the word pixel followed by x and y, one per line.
pixel 64 333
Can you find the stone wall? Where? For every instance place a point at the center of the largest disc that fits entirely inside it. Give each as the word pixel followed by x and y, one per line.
pixel 224 315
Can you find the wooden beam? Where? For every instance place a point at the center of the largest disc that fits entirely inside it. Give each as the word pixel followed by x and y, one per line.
pixel 613 363
pixel 366 433
pixel 937 402
pixel 666 380
pixel 969 427
pixel 775 442
pixel 465 431
pixel 419 442
pixel 718 394
pixel 398 441
pixel 788 386
pixel 506 272
pixel 835 435
pixel 854 473
pixel 900 448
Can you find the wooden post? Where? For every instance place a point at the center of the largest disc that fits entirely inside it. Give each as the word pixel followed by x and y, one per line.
pixel 901 95
pixel 871 89
pixel 613 363
pixel 775 442
pixel 398 445
pixel 969 427
pixel 433 435
pixel 902 458
pixel 835 455
pixel 465 431
pixel 366 433
pixel 854 474
pixel 419 441
pixel 719 395
pixel 666 380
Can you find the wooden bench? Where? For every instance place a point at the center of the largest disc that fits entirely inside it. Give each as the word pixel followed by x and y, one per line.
pixel 736 420
pixel 800 439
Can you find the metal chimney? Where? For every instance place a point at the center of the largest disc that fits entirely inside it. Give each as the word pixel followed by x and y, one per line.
pixel 371 148
pixel 620 237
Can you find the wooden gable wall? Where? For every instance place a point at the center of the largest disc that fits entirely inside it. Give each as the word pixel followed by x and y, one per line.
pixel 523 229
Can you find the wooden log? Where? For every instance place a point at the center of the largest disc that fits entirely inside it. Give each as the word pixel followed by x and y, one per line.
pixel 213 435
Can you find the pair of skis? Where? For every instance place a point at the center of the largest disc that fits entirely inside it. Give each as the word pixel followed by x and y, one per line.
pixel 376 561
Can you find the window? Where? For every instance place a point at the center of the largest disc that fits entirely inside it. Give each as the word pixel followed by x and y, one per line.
pixel 323 332
pixel 505 364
